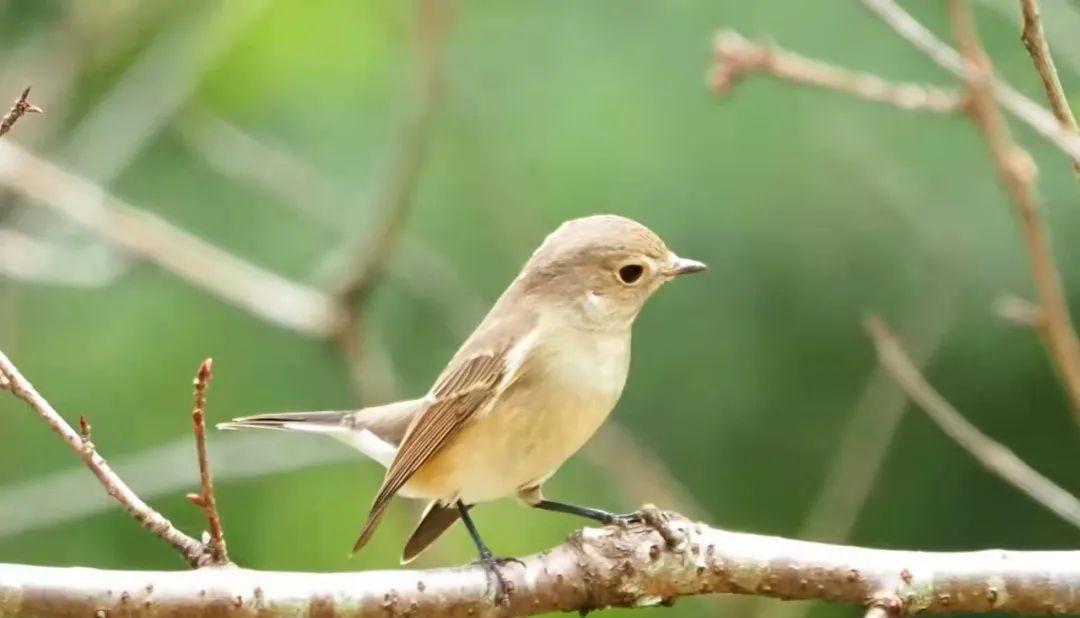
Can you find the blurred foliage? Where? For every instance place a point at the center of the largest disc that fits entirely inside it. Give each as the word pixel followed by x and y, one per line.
pixel 812 210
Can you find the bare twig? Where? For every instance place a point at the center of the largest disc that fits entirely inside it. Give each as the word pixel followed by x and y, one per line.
pixel 1017 173
pixel 21 107
pixel 204 265
pixel 190 549
pixel 737 57
pixel 216 551
pixel 596 568
pixel 1035 41
pixel 1022 108
pixel 994 456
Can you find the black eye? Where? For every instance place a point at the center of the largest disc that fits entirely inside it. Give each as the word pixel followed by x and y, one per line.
pixel 630 273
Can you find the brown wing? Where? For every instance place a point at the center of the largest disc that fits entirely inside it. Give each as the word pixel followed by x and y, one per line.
pixel 458 394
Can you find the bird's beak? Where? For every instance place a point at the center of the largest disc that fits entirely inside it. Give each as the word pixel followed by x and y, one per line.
pixel 684 266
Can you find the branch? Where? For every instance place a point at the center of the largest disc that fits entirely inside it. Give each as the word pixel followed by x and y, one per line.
pixel 865 441
pixel 1022 108
pixel 994 456
pixel 206 266
pixel 21 107
pixel 148 518
pixel 1035 41
pixel 1017 173
pixel 595 568
pixel 216 551
pixel 737 57
pixel 395 195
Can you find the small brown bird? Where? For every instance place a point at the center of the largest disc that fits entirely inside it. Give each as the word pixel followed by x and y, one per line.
pixel 526 390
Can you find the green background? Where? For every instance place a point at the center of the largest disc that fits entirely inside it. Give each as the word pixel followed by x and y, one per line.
pixel 811 208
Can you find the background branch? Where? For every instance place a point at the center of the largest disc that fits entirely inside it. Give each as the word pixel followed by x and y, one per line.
pixel 1021 107
pixel 262 293
pixel 994 456
pixel 735 57
pixel 395 196
pixel 1017 173
pixel 1035 41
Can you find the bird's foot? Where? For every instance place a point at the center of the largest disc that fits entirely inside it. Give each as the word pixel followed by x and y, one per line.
pixel 502 586
pixel 652 517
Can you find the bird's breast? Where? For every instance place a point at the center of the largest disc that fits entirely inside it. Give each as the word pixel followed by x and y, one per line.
pixel 565 390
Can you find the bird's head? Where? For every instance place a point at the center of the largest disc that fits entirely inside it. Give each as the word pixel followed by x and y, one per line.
pixel 604 267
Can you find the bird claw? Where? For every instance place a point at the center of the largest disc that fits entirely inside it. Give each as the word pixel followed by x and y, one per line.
pixel 652 517
pixel 503 587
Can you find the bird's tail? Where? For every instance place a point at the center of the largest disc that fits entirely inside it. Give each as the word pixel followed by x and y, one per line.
pixel 319 422
pixel 365 430
pixel 435 520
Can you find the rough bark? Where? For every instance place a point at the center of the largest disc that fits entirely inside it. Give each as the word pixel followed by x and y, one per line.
pixel 596 568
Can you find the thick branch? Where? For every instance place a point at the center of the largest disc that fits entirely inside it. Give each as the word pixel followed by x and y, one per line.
pixel 737 57
pixel 610 567
pixel 12 380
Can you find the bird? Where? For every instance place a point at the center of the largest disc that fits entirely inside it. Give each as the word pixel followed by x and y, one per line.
pixel 525 391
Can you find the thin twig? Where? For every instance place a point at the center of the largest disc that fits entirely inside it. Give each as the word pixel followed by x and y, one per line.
pixel 1022 108
pixel 596 568
pixel 1035 41
pixel 736 57
pixel 21 107
pixel 190 549
pixel 994 456
pixel 216 551
pixel 1016 170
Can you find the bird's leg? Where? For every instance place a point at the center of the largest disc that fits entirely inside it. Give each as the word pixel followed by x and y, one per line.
pixel 503 588
pixel 648 515
pixel 601 516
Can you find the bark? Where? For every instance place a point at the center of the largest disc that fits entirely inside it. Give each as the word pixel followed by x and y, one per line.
pixel 596 568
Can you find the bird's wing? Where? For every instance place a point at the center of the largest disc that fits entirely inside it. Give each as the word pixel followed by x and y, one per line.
pixel 464 389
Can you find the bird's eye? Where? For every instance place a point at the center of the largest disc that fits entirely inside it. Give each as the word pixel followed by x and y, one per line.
pixel 630 273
